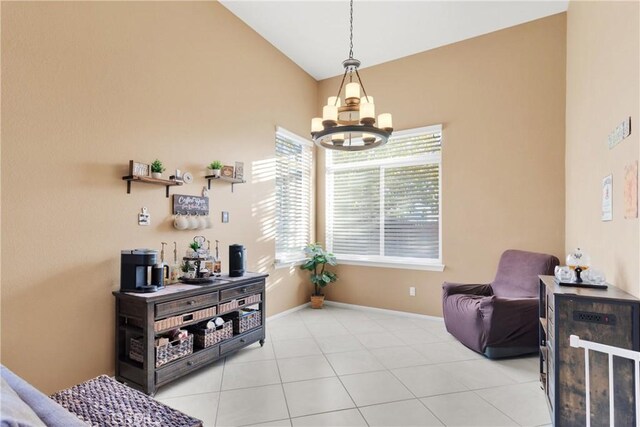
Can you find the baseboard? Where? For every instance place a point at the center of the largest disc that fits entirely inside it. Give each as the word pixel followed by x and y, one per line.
pixel 284 313
pixel 383 310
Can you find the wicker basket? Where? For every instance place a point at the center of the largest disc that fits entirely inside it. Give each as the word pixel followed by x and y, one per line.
pixel 207 337
pixel 184 319
pixel 164 353
pixel 246 319
pixel 235 303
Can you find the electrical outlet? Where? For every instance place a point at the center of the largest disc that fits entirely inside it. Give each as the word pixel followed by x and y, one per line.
pixel 412 291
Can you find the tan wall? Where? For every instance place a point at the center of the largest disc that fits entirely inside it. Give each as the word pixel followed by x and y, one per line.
pixel 85 88
pixel 603 65
pixel 501 100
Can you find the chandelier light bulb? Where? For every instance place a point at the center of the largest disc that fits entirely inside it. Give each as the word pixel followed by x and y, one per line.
pixel 367 114
pixel 330 114
pixel 385 121
pixel 366 99
pixel 332 101
pixel 316 124
pixel 352 90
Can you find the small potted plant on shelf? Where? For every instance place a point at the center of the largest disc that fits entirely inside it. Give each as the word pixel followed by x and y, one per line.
pixel 317 260
pixel 215 167
pixel 157 168
pixel 193 252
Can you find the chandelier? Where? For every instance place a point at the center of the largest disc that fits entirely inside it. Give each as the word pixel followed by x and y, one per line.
pixel 352 126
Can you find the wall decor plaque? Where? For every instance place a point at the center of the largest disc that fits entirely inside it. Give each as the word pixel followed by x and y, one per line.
pixel 139 169
pixel 195 205
pixel 239 171
pixel 607 198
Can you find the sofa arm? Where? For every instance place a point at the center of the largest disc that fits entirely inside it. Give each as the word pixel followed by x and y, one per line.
pixel 469 289
pixel 512 321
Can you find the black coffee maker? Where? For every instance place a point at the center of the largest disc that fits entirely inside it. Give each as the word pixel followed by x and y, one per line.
pixel 137 271
pixel 237 260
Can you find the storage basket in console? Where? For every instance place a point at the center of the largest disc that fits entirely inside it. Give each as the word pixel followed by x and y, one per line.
pixel 245 319
pixel 164 353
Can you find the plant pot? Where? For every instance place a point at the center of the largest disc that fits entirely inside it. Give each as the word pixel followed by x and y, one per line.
pixel 317 301
pixel 215 172
pixel 156 175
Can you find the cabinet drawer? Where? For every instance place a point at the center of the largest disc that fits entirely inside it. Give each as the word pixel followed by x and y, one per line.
pixel 186 304
pixel 236 343
pixel 250 288
pixel 180 367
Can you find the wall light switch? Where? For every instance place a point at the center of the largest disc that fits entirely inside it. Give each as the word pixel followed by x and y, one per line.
pixel 144 218
pixel 225 216
pixel 412 291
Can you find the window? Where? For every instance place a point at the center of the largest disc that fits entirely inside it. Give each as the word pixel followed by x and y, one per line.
pixel 383 205
pixel 293 196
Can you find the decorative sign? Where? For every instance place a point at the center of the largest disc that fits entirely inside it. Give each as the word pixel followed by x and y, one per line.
pixel 139 169
pixel 239 171
pixel 621 131
pixel 607 197
pixel 631 190
pixel 194 205
pixel 227 171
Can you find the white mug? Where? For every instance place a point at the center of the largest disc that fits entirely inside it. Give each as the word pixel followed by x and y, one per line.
pixel 193 222
pixel 209 222
pixel 202 222
pixel 180 222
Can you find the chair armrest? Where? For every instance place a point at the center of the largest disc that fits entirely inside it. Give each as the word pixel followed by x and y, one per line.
pixel 513 320
pixel 469 289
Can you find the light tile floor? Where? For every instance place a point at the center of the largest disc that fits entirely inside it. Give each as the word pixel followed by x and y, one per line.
pixel 345 367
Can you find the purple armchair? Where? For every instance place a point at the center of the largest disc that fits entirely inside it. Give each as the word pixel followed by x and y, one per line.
pixel 499 319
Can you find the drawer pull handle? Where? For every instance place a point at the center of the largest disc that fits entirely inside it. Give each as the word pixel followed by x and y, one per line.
pixel 191 302
pixel 242 340
pixel 189 363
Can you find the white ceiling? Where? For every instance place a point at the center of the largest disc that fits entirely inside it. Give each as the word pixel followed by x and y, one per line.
pixel 315 34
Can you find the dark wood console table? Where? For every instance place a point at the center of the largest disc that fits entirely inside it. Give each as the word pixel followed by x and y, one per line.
pixel 138 314
pixel 607 316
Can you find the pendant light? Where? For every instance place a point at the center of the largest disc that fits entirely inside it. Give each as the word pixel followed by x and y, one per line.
pixel 352 126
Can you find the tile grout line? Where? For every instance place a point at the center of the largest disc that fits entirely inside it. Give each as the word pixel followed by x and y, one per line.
pixel 496 408
pixel 340 380
pixel 215 421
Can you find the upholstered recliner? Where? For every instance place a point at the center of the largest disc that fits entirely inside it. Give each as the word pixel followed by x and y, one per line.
pixel 499 319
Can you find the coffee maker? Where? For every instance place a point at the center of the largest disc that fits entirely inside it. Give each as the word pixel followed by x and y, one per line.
pixel 136 267
pixel 237 260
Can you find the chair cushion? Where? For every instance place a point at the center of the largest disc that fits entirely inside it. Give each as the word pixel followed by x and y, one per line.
pixel 463 319
pixel 15 412
pixel 518 271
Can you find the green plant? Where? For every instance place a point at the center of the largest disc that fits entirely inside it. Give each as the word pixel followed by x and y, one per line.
pixel 157 166
pixel 216 164
pixel 184 267
pixel 195 246
pixel 317 259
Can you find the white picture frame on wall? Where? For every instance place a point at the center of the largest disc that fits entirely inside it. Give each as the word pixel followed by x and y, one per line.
pixel 607 198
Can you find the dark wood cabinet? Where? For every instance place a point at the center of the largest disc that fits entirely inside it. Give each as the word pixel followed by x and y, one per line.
pixel 609 317
pixel 144 317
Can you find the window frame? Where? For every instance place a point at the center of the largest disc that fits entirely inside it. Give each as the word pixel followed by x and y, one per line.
pixel 430 264
pixel 282 262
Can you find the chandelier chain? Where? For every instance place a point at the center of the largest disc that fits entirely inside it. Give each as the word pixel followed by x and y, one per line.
pixel 351 32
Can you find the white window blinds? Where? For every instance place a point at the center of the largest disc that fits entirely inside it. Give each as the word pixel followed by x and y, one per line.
pixel 383 205
pixel 293 195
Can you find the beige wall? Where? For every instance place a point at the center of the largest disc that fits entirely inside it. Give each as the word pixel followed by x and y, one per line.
pixel 603 69
pixel 501 101
pixel 85 88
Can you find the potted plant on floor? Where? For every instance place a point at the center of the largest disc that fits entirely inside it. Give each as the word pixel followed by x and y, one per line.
pixel 317 260
pixel 215 167
pixel 156 169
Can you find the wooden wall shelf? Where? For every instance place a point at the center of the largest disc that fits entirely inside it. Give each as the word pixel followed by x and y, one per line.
pixel 233 181
pixel 157 181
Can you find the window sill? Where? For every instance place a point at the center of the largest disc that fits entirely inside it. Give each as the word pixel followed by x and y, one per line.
pixel 288 264
pixel 399 265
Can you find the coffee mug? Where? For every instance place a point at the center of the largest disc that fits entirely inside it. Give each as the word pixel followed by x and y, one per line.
pixel 209 222
pixel 193 222
pixel 180 222
pixel 563 273
pixel 202 222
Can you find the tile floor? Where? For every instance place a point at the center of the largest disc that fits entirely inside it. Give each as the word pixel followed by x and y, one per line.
pixel 346 367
